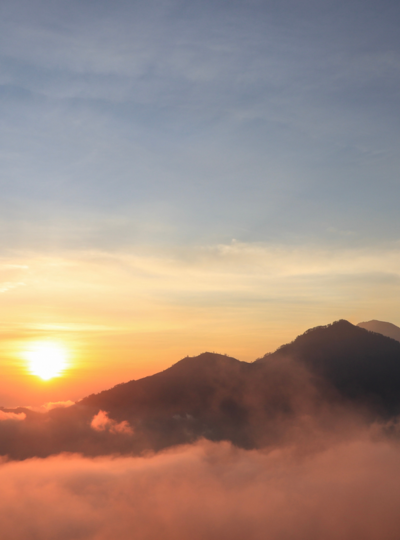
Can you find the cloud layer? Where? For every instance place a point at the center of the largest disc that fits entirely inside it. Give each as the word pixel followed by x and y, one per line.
pixel 345 492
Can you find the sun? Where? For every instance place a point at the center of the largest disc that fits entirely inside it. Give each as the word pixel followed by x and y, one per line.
pixel 46 359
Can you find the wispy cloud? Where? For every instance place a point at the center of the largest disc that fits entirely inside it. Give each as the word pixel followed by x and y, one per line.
pixel 52 405
pixel 8 285
pixel 101 422
pixel 11 416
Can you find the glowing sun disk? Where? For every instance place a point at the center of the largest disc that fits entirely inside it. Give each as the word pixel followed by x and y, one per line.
pixel 46 359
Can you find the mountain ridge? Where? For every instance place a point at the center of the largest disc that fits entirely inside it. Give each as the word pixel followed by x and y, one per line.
pixel 324 350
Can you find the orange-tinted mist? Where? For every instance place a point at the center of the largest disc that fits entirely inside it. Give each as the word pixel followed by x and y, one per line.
pixel 346 492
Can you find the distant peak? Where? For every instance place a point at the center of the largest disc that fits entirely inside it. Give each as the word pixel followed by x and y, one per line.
pixel 380 327
pixel 375 321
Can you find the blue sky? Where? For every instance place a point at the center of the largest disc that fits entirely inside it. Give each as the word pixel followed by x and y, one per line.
pixel 186 176
pixel 128 123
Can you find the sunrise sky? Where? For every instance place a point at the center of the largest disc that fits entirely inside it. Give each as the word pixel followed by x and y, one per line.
pixel 181 176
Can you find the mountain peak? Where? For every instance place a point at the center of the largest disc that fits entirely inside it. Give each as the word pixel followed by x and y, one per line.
pixel 317 336
pixel 204 360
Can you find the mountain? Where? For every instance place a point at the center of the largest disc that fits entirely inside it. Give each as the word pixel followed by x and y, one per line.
pixel 360 365
pixel 324 377
pixel 385 328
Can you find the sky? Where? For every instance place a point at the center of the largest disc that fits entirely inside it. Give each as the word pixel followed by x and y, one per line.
pixel 183 176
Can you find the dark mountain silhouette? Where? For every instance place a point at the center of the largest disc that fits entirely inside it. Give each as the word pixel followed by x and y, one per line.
pixel 212 396
pixel 323 376
pixel 385 328
pixel 360 365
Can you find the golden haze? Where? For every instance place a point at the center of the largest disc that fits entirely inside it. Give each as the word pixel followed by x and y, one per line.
pixel 124 316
